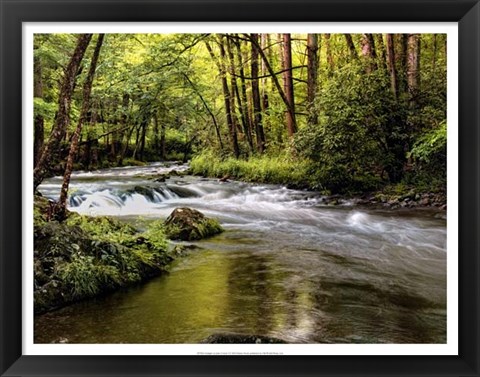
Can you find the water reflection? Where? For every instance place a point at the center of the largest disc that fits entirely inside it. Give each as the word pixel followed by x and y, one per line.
pixel 239 292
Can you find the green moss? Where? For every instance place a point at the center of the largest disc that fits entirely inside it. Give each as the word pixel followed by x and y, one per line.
pixel 202 229
pixel 209 228
pixel 87 256
pixel 41 209
pixel 188 224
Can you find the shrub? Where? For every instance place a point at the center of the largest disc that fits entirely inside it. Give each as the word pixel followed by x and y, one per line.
pixel 429 157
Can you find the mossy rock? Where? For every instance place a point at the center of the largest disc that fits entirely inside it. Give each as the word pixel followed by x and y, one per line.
pixel 42 209
pixel 84 257
pixel 187 224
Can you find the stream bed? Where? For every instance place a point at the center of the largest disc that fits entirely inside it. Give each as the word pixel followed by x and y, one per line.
pixel 288 266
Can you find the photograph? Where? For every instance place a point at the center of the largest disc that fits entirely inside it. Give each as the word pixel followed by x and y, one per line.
pixel 239 188
pixel 243 188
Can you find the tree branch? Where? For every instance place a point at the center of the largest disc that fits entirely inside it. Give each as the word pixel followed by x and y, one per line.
pixel 270 75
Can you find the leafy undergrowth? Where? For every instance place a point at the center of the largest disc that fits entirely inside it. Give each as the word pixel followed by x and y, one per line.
pixel 84 257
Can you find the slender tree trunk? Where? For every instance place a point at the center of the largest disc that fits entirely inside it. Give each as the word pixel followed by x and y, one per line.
pixel 137 140
pixel 244 101
pixel 265 83
pixel 328 52
pixel 263 72
pixel 234 86
pixel 52 147
pixel 87 155
pixel 369 52
pixel 434 55
pixel 116 135
pixel 285 100
pixel 391 65
pixel 123 122
pixel 39 121
pixel 351 46
pixel 403 59
pixel 257 107
pixel 312 76
pixel 143 136
pixel 125 146
pixel 382 52
pixel 156 139
pixel 226 97
pixel 227 57
pixel 288 81
pixel 61 207
pixel 413 70
pixel 230 99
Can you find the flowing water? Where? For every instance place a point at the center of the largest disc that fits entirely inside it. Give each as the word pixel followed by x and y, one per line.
pixel 287 266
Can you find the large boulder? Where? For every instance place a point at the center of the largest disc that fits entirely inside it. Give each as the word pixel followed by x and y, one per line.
pixel 187 224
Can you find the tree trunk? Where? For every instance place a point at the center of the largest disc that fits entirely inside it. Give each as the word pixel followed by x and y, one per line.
pixel 156 140
pixel 288 85
pixel 39 121
pixel 257 107
pixel 403 59
pixel 244 102
pixel 391 65
pixel 123 122
pixel 328 52
pixel 226 96
pixel 143 136
pixel 312 76
pixel 125 146
pixel 413 66
pixel 61 207
pixel 52 147
pixel 225 49
pixel 114 120
pixel 265 84
pixel 285 100
pixel 382 52
pixel 137 140
pixel 351 46
pixel 369 52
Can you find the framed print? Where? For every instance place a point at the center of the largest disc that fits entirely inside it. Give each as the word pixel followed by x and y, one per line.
pixel 289 187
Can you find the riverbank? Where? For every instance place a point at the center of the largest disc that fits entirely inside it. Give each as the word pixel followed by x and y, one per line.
pixel 296 175
pixel 86 256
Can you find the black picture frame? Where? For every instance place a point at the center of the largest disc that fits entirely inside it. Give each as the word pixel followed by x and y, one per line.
pixel 14 12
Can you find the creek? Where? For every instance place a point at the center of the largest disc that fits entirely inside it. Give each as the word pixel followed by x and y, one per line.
pixel 287 266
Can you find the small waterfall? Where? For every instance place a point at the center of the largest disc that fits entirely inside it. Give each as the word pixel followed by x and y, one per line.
pixel 136 201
